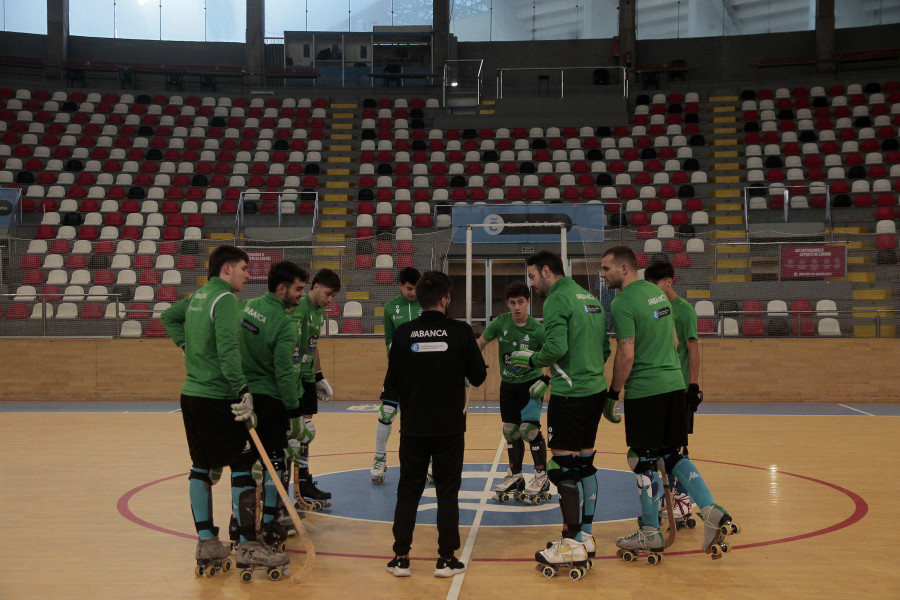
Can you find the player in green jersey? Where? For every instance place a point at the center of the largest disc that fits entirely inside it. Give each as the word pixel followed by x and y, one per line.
pixel 206 326
pixel 312 386
pixel 268 342
pixel 576 349
pixel 647 366
pixel 662 274
pixel 405 307
pixel 521 394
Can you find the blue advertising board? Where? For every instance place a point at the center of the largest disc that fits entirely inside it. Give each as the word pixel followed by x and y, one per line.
pixel 508 223
pixel 9 203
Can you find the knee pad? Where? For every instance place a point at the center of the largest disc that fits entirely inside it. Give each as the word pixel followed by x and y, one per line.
pixel 563 467
pixel 387 413
pixel 670 458
pixel 641 460
pixel 587 468
pixel 258 471
pixel 530 431
pixel 309 432
pixel 511 432
pixel 243 480
pixel 201 474
pixel 215 475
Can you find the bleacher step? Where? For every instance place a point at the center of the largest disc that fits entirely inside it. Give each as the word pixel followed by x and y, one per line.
pixel 871 294
pixel 729 220
pixel 358 295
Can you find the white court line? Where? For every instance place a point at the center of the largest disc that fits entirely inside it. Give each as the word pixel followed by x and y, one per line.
pixel 466 555
pixel 857 410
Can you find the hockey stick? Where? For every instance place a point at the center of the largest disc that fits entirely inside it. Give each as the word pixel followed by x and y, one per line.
pixel 295 518
pixel 670 513
pixel 298 497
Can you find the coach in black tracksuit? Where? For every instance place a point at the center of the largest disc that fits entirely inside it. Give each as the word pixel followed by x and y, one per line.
pixel 430 359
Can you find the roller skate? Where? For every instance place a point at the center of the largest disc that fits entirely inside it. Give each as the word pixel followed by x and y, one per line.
pixel 448 567
pixel 379 467
pixel 212 557
pixel 716 525
pixel 565 553
pixel 312 495
pixel 647 541
pixel 274 534
pixel 255 555
pixel 681 510
pixel 511 486
pixel 537 490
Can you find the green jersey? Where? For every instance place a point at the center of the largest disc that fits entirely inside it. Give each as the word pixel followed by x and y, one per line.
pixel 268 342
pixel 686 328
pixel 511 337
pixel 397 312
pixel 207 325
pixel 308 321
pixel 576 346
pixel 643 312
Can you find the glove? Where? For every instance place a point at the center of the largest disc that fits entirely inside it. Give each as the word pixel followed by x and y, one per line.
pixel 243 410
pixel 693 396
pixel 521 358
pixel 323 388
pixel 609 411
pixel 539 387
pixel 292 452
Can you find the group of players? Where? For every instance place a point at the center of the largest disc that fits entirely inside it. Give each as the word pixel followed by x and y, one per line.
pixel 261 357
pixel 250 364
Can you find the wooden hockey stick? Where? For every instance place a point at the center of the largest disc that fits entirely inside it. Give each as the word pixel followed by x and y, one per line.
pixel 298 497
pixel 295 518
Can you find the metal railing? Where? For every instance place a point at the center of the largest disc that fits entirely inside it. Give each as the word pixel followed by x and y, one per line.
pixel 463 77
pixel 786 192
pixel 562 76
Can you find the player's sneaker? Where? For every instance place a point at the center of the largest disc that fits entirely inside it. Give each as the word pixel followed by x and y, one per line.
pixel 399 566
pixel 448 567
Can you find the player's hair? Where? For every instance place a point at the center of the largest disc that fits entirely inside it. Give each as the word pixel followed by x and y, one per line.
pixel 223 255
pixel 622 254
pixel 408 275
pixel 432 286
pixel 545 258
pixel 517 289
pixel 328 278
pixel 659 270
pixel 285 272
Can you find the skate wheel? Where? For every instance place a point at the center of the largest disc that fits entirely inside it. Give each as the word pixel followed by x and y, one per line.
pixel 198 571
pixel 274 574
pixel 547 496
pixel 715 550
pixel 548 571
pixel 575 574
pixel 628 556
pixel 227 564
pixel 691 523
pixel 246 576
pixel 537 500
pixel 725 547
pixel 734 528
pixel 504 497
pixel 590 563
pixel 654 559
pixel 317 506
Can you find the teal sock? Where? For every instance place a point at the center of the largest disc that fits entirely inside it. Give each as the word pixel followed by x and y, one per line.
pixel 589 504
pixel 690 478
pixel 271 497
pixel 650 484
pixel 201 499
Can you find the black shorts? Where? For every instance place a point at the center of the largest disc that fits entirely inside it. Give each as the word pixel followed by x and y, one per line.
pixel 514 399
pixel 272 424
pixel 309 402
pixel 572 422
pixel 214 438
pixel 656 422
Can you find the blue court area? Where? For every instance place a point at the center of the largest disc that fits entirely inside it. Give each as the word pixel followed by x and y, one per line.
pixel 708 408
pixel 376 502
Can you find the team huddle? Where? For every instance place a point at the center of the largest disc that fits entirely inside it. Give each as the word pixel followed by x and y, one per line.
pixel 255 365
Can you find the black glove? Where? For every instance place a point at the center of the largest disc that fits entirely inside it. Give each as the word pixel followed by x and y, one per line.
pixel 693 396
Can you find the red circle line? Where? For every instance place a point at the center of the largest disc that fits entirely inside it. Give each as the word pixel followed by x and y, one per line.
pixel 861 508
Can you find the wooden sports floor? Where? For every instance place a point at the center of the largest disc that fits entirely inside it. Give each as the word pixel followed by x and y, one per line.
pixel 94 506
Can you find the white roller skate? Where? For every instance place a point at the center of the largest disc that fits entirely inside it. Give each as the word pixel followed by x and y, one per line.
pixel 681 509
pixel 511 486
pixel 255 555
pixel 716 525
pixel 647 541
pixel 565 553
pixel 379 467
pixel 212 557
pixel 537 490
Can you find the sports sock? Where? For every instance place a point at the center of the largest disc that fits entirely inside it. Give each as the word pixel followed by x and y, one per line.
pixel 382 433
pixel 690 478
pixel 201 499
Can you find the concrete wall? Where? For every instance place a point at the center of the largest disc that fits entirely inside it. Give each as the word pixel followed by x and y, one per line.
pixel 739 370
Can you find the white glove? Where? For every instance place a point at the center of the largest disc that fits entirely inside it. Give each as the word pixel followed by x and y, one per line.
pixel 243 410
pixel 323 388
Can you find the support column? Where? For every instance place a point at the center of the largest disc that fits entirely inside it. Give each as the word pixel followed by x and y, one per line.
pixel 254 63
pixel 441 40
pixel 825 62
pixel 628 37
pixel 57 37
